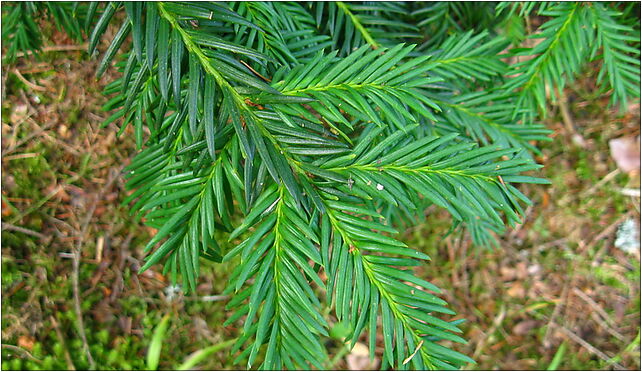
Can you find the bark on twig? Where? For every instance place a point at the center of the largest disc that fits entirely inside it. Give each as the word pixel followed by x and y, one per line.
pixel 21 351
pixel 603 318
pixel 54 48
pixel 592 349
pixel 10 227
pixel 27 82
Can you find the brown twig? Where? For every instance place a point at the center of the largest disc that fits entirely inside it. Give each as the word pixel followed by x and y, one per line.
pixel 610 229
pixel 592 349
pixel 36 68
pixel 601 183
pixel 27 82
pixel 554 243
pixel 29 137
pixel 100 245
pixel 21 351
pixel 594 305
pixel 566 114
pixel 8 226
pixel 255 72
pixel 54 48
pixel 8 293
pixel 61 143
pixel 605 320
pixel 562 103
pixel 25 155
pixel 37 205
pixel 14 133
pixel 599 320
pixel 496 323
pixel 27 115
pixel 57 221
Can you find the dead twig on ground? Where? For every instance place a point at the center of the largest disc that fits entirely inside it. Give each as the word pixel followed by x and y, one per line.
pixel 54 48
pixel 29 112
pixel 37 205
pixel 609 329
pixel 58 221
pixel 496 323
pixel 585 344
pixel 31 85
pixel 601 183
pixel 592 349
pixel 562 103
pixel 555 243
pixel 594 305
pixel 8 293
pixel 21 156
pixel 36 68
pixel 10 227
pixel 610 229
pixel 100 244
pixel 60 143
pixel 630 192
pixel 29 137
pixel 21 351
pixel 603 319
pixel 566 114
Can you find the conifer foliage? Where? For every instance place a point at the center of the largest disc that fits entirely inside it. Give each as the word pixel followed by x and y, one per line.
pixel 292 140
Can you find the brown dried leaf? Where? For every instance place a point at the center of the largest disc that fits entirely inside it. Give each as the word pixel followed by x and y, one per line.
pixel 26 342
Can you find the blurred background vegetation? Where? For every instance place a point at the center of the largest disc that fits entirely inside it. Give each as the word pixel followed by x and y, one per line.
pixel 562 292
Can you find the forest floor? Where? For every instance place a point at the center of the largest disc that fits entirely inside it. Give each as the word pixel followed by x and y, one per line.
pixel 557 294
